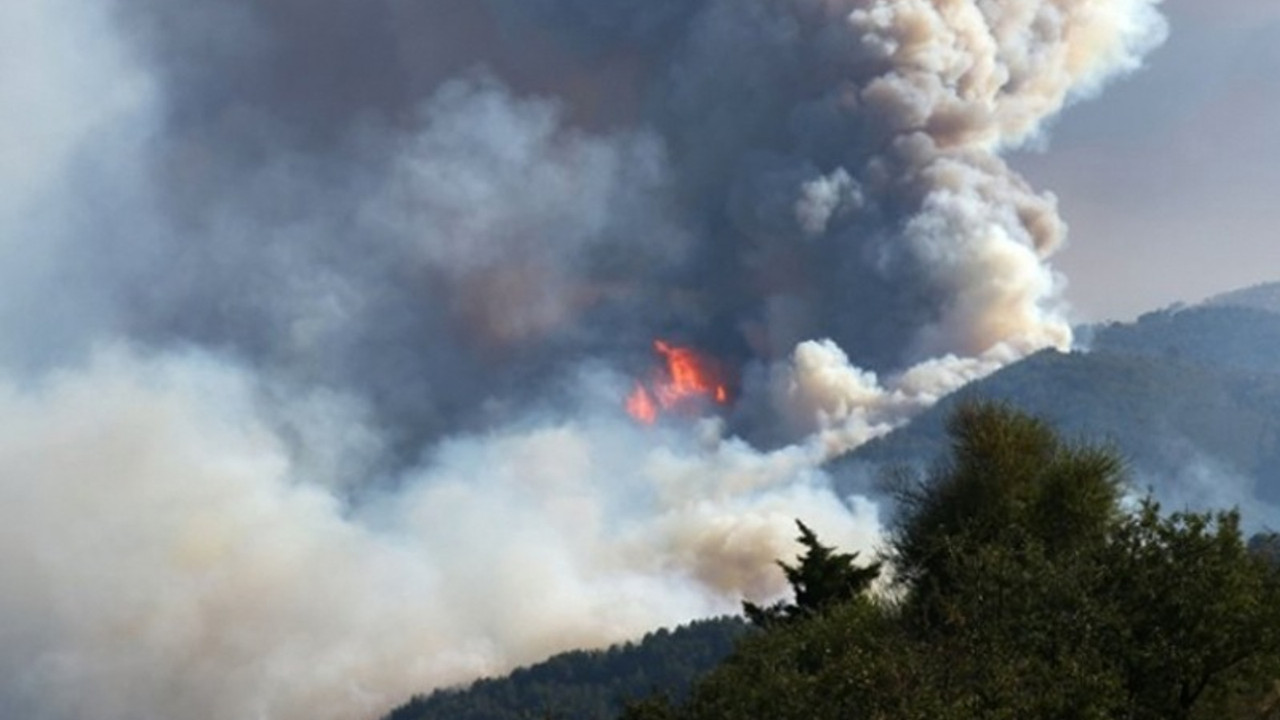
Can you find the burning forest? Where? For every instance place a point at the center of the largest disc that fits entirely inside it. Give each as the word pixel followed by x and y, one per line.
pixel 320 319
pixel 687 382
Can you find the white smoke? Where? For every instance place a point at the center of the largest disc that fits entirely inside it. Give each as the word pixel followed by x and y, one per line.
pixel 967 79
pixel 277 434
pixel 837 407
pixel 165 556
pixel 74 110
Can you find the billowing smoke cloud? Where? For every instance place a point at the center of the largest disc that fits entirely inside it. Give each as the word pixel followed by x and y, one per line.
pixel 166 555
pixel 317 317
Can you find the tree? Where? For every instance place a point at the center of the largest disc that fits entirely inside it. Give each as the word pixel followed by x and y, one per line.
pixel 1010 486
pixel 1025 589
pixel 823 578
pixel 1199 614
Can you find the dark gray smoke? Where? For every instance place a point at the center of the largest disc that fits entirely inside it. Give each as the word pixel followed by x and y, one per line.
pixel 316 316
pixel 379 194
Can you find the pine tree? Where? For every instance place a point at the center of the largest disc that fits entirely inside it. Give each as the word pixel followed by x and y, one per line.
pixel 822 578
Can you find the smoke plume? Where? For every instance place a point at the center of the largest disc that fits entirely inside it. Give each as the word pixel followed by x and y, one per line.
pixel 318 317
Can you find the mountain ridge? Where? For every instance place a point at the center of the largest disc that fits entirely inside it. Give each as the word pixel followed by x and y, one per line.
pixel 1189 394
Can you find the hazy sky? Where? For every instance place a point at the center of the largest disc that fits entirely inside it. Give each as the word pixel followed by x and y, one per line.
pixel 1169 182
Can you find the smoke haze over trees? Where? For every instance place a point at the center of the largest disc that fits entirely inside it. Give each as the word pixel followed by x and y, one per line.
pixel 1026 585
pixel 1026 589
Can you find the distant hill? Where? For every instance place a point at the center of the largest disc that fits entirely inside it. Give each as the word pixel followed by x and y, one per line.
pixel 1218 337
pixel 1260 297
pixel 588 685
pixel 1190 395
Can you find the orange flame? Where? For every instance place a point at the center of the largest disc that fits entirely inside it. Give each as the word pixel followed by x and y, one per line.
pixel 640 405
pixel 688 379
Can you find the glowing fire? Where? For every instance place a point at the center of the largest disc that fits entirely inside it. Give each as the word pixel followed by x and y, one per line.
pixel 687 380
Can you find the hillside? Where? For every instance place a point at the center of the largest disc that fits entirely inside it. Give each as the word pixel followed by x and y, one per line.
pixel 1218 337
pixel 588 685
pixel 1191 396
pixel 1260 297
pixel 1027 585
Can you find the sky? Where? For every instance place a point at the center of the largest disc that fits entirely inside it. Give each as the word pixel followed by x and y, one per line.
pixel 1169 182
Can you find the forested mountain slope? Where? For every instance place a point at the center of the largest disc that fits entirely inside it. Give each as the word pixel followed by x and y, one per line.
pixel 1262 297
pixel 1190 395
pixel 588 685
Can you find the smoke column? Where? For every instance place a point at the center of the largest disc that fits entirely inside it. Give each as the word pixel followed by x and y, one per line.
pixel 316 318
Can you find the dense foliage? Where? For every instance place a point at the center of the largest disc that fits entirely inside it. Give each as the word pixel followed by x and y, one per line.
pixel 1025 588
pixel 588 685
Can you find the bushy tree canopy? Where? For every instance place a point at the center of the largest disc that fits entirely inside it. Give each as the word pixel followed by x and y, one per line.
pixel 1025 588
